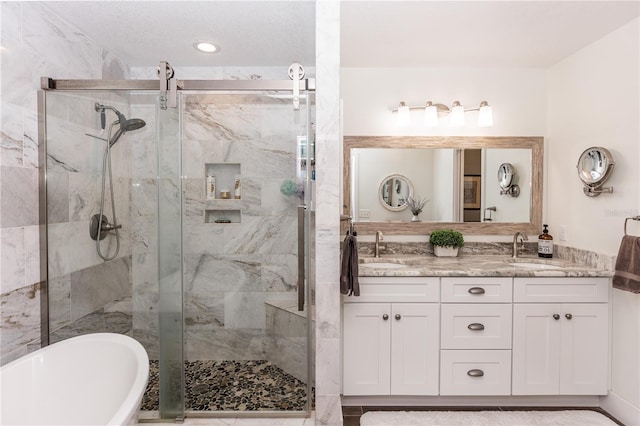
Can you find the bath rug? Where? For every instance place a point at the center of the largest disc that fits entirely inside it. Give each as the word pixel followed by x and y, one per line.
pixel 485 418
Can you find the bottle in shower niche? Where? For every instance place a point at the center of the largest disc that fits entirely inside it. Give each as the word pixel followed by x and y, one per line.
pixel 545 244
pixel 236 188
pixel 211 187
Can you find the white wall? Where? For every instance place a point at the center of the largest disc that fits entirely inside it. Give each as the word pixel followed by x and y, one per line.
pixel 518 97
pixel 593 100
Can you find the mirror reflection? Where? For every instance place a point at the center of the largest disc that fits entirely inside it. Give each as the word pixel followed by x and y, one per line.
pixel 394 191
pixel 456 174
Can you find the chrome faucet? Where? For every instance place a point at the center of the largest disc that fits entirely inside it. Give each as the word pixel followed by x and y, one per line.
pixel 377 247
pixel 523 238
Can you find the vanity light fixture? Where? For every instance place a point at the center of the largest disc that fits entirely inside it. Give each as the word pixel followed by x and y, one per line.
pixel 433 111
pixel 206 47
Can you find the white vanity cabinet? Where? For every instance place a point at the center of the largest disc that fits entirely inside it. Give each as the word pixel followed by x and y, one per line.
pixel 475 357
pixel 476 336
pixel 392 348
pixel 560 336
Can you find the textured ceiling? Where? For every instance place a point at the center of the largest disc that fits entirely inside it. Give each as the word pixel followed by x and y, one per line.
pixel 373 33
pixel 143 33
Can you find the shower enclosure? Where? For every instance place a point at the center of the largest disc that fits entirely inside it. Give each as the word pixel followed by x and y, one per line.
pixel 214 282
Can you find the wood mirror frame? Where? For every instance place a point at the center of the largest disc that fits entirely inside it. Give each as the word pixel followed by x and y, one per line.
pixel 536 144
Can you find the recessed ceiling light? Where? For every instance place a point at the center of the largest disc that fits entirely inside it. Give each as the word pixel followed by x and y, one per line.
pixel 206 47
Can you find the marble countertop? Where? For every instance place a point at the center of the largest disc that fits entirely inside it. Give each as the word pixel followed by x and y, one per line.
pixel 473 266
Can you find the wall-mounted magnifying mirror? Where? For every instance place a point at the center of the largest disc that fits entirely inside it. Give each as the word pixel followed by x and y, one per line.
pixel 507 178
pixel 393 192
pixel 594 168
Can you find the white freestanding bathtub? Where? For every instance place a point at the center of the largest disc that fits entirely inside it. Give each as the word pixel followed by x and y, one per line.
pixel 94 379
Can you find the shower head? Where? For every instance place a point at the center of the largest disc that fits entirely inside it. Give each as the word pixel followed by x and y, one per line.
pixel 125 125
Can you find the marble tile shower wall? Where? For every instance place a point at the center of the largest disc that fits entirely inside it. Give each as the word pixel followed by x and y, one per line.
pixel 36 43
pixel 232 269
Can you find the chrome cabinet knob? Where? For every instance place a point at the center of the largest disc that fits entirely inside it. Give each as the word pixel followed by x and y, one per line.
pixel 398 316
pixel 475 373
pixel 568 316
pixel 385 317
pixel 556 317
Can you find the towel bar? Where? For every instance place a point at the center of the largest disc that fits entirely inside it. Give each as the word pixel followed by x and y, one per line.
pixel 628 219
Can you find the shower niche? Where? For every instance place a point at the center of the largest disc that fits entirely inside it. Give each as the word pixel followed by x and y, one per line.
pixel 222 194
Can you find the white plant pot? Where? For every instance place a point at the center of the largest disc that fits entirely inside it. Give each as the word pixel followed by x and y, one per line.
pixel 441 251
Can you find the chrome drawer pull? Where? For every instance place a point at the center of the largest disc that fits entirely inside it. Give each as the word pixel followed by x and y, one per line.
pixel 476 290
pixel 385 317
pixel 476 326
pixel 475 373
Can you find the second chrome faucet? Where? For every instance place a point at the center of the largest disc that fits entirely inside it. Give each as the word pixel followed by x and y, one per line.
pixel 523 237
pixel 378 247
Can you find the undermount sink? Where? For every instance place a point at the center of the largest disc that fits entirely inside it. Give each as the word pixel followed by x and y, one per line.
pixel 384 265
pixel 531 265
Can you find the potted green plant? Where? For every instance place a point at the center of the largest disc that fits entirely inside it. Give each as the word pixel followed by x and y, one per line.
pixel 446 242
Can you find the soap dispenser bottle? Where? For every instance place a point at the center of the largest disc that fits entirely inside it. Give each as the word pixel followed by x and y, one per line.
pixel 545 244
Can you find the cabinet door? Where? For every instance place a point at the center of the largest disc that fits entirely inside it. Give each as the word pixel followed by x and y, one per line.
pixel 415 349
pixel 583 353
pixel 366 358
pixel 536 349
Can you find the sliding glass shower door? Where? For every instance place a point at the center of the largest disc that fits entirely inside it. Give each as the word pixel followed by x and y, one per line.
pixel 247 169
pixel 213 201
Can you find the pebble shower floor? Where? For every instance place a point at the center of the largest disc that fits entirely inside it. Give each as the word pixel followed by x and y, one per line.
pixel 232 386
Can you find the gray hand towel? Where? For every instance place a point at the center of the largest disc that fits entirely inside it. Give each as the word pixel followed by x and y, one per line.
pixel 627 275
pixel 349 283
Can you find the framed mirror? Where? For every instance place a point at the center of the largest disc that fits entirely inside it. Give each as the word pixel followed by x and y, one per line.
pixel 457 176
pixel 393 192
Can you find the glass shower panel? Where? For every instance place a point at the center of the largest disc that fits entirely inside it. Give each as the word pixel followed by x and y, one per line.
pixel 85 293
pixel 246 343
pixel 171 372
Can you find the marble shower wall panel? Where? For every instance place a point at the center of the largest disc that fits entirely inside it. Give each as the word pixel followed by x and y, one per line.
pixel 36 42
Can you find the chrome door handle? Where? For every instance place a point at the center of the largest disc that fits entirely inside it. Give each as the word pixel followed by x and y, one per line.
pixel 476 290
pixel 398 316
pixel 301 271
pixel 475 373
pixel 568 316
pixel 385 317
pixel 556 317
pixel 476 326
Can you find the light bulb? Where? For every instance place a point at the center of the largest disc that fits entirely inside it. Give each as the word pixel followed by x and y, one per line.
pixel 404 115
pixel 485 115
pixel 430 115
pixel 457 115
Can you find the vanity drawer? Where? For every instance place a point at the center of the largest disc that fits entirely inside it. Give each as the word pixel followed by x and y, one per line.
pixel 561 290
pixel 476 290
pixel 397 289
pixel 475 372
pixel 476 326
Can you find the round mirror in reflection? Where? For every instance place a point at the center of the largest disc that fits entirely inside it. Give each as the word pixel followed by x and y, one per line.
pixel 506 175
pixel 594 166
pixel 394 191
